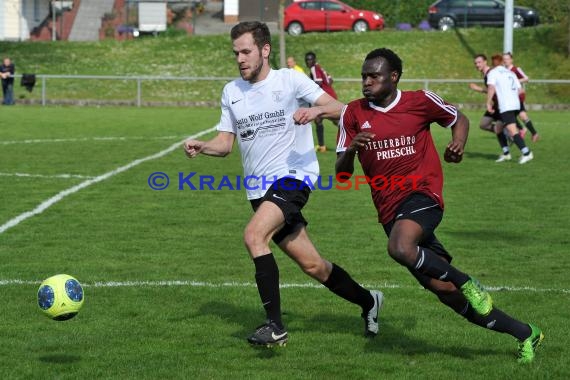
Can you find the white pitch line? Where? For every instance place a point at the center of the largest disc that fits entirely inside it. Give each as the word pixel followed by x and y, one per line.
pixel 83 139
pixel 306 285
pixel 63 176
pixel 62 194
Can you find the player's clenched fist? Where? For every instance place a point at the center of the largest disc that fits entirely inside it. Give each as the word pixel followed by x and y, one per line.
pixel 192 148
pixel 452 156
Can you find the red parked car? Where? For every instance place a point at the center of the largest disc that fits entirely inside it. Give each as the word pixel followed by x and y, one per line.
pixel 329 15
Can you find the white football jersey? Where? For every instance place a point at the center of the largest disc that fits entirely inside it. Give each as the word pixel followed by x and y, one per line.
pixel 507 88
pixel 261 116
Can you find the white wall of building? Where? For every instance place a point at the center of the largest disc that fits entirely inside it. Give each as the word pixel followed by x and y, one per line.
pixel 231 10
pixel 19 17
pixel 1 20
pixel 11 19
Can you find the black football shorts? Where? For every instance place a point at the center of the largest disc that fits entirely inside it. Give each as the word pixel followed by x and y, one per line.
pixel 428 214
pixel 290 195
pixel 509 117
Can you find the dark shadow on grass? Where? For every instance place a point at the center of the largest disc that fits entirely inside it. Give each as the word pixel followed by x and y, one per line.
pixel 492 235
pixel 396 340
pixel 464 42
pixel 408 346
pixel 393 337
pixel 268 352
pixel 60 358
pixel 486 156
pixel 247 318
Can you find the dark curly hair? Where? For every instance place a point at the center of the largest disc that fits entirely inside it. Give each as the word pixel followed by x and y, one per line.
pixel 392 58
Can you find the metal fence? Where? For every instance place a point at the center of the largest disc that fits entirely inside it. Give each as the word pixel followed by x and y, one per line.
pixel 190 91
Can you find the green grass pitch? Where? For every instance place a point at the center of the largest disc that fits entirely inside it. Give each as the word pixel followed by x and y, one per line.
pixel 170 289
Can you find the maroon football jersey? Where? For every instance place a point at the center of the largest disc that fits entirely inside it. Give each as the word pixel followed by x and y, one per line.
pixel 520 75
pixel 320 76
pixel 401 158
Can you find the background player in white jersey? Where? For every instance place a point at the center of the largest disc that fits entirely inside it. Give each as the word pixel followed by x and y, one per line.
pixel 264 111
pixel 490 122
pixel 504 83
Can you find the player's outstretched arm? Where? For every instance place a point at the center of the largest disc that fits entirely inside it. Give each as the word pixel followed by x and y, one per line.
pixel 459 133
pixel 477 88
pixel 219 146
pixel 524 78
pixel 325 107
pixel 328 107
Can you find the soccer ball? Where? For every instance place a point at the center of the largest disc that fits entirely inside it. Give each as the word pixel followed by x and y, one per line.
pixel 60 297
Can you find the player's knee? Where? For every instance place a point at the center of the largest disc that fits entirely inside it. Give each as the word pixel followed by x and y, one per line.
pixel 315 269
pixel 252 239
pixel 401 252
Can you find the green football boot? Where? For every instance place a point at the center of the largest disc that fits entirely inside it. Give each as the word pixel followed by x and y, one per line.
pixel 529 345
pixel 478 297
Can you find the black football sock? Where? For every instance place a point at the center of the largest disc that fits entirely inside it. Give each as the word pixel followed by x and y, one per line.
pixel 519 125
pixel 530 127
pixel 320 133
pixel 503 143
pixel 498 321
pixel 267 279
pixel 430 264
pixel 520 144
pixel 341 284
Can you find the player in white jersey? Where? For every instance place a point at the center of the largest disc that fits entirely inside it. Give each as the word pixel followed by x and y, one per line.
pixel 504 83
pixel 268 112
pixel 271 143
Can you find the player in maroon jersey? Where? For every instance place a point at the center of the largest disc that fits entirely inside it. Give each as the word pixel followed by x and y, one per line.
pixel 390 131
pixel 320 76
pixel 523 78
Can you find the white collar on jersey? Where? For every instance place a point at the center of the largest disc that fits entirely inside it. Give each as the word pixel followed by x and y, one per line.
pixel 390 106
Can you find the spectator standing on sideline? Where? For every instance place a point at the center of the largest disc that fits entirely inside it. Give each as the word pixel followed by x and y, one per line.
pixel 390 131
pixel 292 64
pixel 267 112
pixel 504 84
pixel 7 70
pixel 320 76
pixel 523 78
